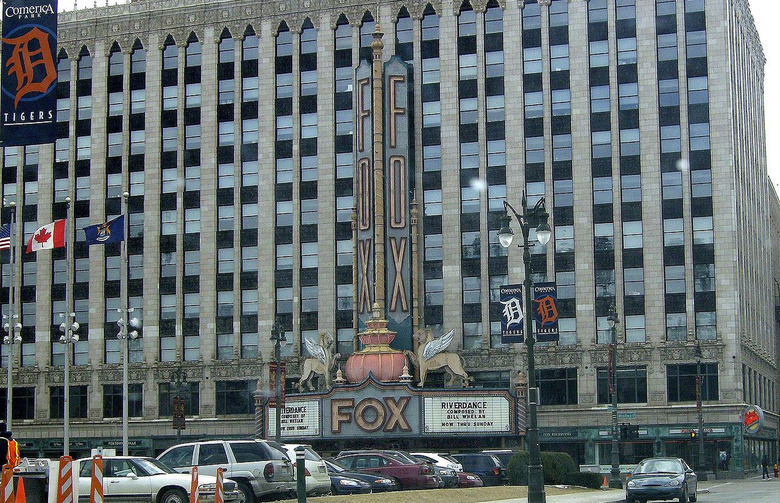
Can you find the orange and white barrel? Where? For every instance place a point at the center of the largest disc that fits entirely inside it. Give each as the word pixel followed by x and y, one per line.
pixel 219 497
pixel 65 480
pixel 96 487
pixel 194 486
pixel 7 484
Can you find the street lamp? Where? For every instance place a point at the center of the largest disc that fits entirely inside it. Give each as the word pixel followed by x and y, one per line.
pixel 536 216
pixel 277 336
pixel 10 340
pixel 612 321
pixel 12 326
pixel 123 340
pixel 69 338
pixel 700 434
pixel 178 387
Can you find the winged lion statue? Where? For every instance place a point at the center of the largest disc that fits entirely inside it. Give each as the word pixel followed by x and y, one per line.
pixel 322 362
pixel 431 355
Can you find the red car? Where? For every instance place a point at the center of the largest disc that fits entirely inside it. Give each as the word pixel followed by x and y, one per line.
pixel 466 479
pixel 409 473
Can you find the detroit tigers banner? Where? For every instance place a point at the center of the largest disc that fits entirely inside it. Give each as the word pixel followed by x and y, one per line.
pixel 511 298
pixel 29 75
pixel 546 307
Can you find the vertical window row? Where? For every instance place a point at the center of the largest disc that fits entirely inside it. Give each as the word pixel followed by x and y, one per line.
pixel 431 180
pixel 563 186
pixel 342 60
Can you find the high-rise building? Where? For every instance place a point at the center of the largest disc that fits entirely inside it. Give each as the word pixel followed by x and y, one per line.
pixel 230 124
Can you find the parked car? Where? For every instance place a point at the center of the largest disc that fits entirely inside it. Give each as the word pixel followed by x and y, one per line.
pixel 343 484
pixel 503 455
pixel 448 477
pixel 143 479
pixel 466 479
pixel 487 466
pixel 318 482
pixel 410 474
pixel 439 458
pixel 259 469
pixel 662 479
pixel 378 483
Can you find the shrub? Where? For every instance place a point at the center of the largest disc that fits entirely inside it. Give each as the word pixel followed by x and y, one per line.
pixel 555 465
pixel 585 479
pixel 517 469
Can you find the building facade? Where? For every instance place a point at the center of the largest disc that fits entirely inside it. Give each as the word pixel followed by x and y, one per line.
pixel 230 125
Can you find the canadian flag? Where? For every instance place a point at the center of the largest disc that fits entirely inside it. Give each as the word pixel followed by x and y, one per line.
pixel 47 237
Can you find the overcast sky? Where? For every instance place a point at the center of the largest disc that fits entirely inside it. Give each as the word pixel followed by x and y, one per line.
pixel 766 14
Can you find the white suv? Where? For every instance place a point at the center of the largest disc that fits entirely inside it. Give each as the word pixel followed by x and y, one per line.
pixel 258 468
pixel 443 460
pixel 317 478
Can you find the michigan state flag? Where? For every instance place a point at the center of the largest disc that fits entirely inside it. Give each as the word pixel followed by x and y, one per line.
pixel 112 231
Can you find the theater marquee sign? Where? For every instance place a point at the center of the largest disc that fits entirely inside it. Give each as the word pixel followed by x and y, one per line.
pixel 394 410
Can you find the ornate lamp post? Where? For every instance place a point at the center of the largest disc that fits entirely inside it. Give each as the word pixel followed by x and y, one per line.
pixel 69 337
pixel 536 216
pixel 700 433
pixel 12 326
pixel 123 336
pixel 279 340
pixel 614 481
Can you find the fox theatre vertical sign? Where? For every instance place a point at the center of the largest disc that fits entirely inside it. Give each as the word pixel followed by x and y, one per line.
pixel 29 75
pixel 383 184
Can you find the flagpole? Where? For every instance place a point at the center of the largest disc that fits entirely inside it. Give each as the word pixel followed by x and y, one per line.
pixel 12 327
pixel 123 333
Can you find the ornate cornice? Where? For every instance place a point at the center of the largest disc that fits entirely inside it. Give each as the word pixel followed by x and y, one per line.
pixel 488 359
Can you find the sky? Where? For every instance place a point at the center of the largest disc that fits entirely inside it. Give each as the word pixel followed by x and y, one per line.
pixel 765 13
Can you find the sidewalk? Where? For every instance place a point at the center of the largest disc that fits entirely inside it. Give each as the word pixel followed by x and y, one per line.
pixel 602 496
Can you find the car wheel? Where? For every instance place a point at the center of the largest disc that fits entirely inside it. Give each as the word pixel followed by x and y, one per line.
pixel 692 498
pixel 630 499
pixel 684 495
pixel 174 496
pixel 247 494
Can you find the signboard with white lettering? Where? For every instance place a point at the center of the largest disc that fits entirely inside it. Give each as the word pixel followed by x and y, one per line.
pixel 299 419
pixel 394 410
pixel 460 414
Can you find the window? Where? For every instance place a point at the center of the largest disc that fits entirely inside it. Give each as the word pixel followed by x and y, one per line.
pixel 78 400
pixel 599 99
pixel 557 386
pixel 249 345
pixel 681 382
pixel 631 384
pixel 675 327
pixel 112 400
pixel 632 234
pixel 635 328
pixel 225 303
pixel 190 391
pixel 225 260
pixel 634 282
pixel 235 397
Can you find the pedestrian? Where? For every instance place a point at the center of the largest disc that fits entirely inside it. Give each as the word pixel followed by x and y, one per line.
pixel 776 469
pixel 11 447
pixel 764 467
pixel 3 445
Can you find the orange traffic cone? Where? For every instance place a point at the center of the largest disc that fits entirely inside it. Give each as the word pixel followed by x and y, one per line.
pixel 605 484
pixel 20 496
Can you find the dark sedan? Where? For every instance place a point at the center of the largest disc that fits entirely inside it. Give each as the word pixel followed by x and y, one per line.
pixel 410 474
pixel 487 466
pixel 342 484
pixel 662 479
pixel 377 483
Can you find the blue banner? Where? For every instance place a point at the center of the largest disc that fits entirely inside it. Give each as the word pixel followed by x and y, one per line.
pixel 112 231
pixel 29 103
pixel 512 319
pixel 546 307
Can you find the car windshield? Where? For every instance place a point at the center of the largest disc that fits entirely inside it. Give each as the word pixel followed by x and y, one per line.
pixel 153 467
pixel 659 466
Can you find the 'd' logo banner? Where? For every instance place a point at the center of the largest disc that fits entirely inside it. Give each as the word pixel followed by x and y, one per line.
pixel 546 307
pixel 512 318
pixel 29 72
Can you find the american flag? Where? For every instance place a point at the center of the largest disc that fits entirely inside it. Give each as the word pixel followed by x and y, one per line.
pixel 5 237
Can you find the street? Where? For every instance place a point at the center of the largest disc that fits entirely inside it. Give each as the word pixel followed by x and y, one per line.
pixel 729 491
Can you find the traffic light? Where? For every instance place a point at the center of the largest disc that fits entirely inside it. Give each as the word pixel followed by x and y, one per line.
pixel 694 435
pixel 629 431
pixel 178 414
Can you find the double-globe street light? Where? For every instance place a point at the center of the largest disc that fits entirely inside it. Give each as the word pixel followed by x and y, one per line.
pixel 612 321
pixel 279 340
pixel 533 217
pixel 68 338
pixel 123 337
